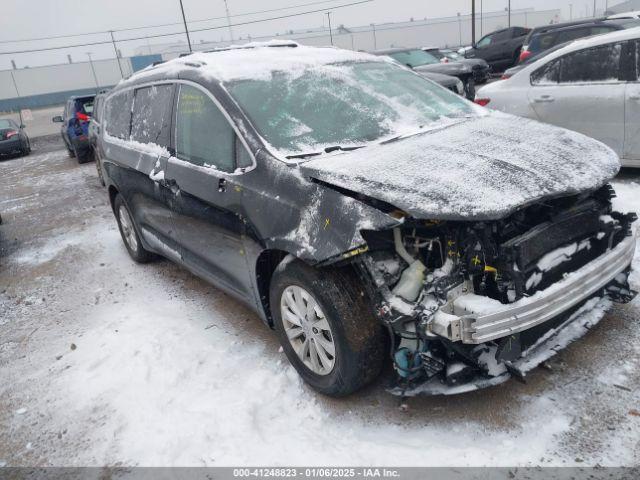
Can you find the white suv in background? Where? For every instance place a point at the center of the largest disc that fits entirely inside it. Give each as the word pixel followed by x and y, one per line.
pixel 590 86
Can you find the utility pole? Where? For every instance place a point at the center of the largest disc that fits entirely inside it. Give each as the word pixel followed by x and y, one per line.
pixel 95 77
pixel 473 22
pixel 509 14
pixel 330 32
pixel 594 8
pixel 186 29
pixel 570 11
pixel 481 18
pixel 15 85
pixel 375 40
pixel 226 7
pixel 115 49
pixel 459 29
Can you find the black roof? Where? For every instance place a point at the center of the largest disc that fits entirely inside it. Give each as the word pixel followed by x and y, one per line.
pixel 556 26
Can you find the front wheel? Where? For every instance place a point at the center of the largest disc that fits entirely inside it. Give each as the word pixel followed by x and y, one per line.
pixel 129 233
pixel 470 88
pixel 327 327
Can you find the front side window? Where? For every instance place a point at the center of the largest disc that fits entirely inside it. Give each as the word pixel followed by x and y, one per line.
pixel 484 41
pixel 151 120
pixel 599 64
pixel 501 36
pixel 117 114
pixel 204 136
pixel 347 104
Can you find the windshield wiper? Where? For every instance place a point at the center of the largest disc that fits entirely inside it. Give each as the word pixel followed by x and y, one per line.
pixel 333 148
pixel 401 136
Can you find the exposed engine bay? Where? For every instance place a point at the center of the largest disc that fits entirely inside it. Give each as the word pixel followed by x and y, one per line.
pixel 442 287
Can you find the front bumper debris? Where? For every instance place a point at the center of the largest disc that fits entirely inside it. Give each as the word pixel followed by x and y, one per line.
pixel 545 305
pixel 576 326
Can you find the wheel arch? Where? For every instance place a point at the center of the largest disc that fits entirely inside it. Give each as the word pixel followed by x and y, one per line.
pixel 266 265
pixel 113 191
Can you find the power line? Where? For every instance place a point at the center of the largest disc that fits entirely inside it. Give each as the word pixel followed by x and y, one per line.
pixel 53 37
pixel 158 35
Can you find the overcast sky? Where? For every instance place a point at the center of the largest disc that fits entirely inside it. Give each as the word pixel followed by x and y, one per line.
pixel 41 18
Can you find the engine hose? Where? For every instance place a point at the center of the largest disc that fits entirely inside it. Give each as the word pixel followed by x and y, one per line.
pixel 400 248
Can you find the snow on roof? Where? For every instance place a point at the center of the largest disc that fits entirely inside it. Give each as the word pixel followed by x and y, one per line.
pixel 257 60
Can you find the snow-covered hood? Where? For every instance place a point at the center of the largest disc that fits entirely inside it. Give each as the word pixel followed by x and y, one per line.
pixel 479 168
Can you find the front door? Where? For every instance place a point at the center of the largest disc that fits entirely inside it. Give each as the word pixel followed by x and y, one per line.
pixel 582 91
pixel 207 199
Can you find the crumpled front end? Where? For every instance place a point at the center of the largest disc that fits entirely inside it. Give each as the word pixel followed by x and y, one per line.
pixel 471 304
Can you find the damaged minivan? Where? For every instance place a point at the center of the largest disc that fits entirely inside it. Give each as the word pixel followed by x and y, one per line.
pixel 367 214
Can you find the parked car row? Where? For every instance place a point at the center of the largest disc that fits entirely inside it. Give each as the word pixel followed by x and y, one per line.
pixel 591 86
pixel 367 214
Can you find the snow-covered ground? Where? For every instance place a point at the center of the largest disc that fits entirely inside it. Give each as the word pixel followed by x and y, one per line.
pixel 103 361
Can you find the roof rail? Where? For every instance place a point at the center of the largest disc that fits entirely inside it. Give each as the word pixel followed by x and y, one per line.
pixel 248 46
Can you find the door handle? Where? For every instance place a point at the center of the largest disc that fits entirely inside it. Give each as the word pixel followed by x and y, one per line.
pixel 544 99
pixel 634 96
pixel 222 185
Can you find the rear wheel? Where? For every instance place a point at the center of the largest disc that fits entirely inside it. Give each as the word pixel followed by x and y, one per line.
pixel 26 149
pixel 129 232
pixel 96 157
pixel 327 327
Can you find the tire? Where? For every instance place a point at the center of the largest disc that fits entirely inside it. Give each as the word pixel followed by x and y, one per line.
pixel 26 150
pixel 96 157
pixel 83 156
pixel 129 232
pixel 470 89
pixel 357 337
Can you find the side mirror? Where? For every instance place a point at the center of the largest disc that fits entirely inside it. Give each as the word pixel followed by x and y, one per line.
pixel 22 125
pixel 57 119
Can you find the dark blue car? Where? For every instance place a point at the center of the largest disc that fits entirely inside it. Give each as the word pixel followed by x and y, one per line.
pixel 75 126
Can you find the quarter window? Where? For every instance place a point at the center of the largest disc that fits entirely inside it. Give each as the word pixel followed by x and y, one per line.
pixel 151 120
pixel 204 136
pixel 599 64
pixel 118 115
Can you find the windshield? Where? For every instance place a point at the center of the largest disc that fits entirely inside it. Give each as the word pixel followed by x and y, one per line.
pixel 414 58
pixel 344 105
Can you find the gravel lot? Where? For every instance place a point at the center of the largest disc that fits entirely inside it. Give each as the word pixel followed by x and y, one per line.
pixel 105 362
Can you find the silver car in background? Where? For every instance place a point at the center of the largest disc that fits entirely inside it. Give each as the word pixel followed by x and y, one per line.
pixel 590 86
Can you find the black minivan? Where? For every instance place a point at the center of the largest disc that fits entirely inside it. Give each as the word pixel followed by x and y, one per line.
pixel 366 213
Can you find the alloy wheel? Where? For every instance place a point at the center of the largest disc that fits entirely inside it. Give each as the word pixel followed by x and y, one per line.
pixel 128 231
pixel 308 330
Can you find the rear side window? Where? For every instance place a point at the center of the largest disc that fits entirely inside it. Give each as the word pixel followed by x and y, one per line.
pixel 599 64
pixel 117 114
pixel 151 120
pixel 204 136
pixel 572 34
